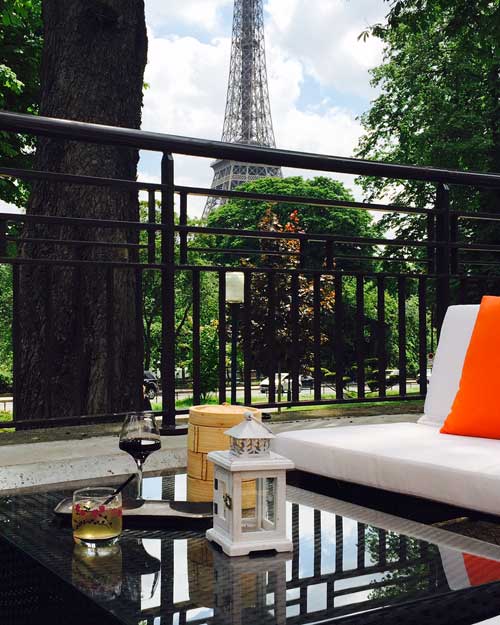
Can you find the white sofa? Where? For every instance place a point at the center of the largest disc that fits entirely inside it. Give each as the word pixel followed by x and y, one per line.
pixel 412 458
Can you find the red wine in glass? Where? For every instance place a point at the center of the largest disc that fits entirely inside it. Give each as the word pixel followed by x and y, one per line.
pixel 139 448
pixel 140 437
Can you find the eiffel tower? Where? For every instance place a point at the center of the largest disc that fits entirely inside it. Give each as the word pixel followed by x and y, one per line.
pixel 248 111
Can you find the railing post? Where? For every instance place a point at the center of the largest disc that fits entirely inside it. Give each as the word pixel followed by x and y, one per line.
pixel 453 239
pixel 168 297
pixel 431 238
pixel 151 233
pixel 183 256
pixel 442 252
pixel 3 237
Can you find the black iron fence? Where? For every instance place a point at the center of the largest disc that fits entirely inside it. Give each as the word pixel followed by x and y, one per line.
pixel 325 318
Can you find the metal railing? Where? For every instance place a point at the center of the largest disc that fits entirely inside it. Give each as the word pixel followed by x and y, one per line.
pixel 349 268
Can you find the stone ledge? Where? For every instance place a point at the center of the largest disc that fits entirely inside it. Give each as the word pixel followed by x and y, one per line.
pixel 63 462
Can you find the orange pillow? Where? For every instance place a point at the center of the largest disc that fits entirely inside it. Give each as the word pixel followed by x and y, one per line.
pixel 476 408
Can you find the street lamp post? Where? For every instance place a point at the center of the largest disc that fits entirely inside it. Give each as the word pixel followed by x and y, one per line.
pixel 235 296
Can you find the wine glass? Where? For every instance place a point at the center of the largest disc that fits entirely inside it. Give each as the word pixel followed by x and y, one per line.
pixel 140 437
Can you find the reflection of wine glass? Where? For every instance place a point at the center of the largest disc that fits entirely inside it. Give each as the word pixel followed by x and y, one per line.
pixel 139 438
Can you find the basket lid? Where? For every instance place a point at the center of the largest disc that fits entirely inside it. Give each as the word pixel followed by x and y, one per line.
pixel 223 409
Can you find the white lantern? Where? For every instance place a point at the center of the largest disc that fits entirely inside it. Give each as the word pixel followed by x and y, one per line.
pixel 235 287
pixel 237 529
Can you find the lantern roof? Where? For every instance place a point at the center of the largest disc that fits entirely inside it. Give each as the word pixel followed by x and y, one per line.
pixel 250 428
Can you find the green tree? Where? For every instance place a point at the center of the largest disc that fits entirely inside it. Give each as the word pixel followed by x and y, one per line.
pixel 248 214
pixel 439 104
pixel 20 52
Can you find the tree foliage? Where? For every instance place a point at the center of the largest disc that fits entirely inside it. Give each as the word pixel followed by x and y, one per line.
pixel 247 215
pixel 439 103
pixel 20 45
pixel 413 576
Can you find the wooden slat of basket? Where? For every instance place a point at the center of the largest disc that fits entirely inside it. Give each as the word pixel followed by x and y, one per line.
pixel 199 467
pixel 203 490
pixel 202 439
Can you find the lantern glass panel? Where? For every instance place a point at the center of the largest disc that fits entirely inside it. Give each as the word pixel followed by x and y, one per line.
pixel 249 506
pixel 269 502
pixel 258 511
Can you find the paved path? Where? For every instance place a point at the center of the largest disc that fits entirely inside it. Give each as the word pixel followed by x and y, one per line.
pixel 69 461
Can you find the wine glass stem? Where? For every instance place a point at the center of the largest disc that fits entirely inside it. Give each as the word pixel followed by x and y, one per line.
pixel 140 466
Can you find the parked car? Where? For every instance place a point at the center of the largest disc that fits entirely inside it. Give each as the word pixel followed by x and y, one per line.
pixel 306 381
pixel 151 385
pixel 286 379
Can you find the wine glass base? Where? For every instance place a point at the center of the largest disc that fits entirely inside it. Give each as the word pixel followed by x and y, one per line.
pixel 132 504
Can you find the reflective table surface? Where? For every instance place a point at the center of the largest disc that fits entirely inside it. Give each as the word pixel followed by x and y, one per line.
pixel 349 565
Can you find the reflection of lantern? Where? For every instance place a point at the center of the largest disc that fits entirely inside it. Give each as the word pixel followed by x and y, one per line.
pixel 237 530
pixel 251 589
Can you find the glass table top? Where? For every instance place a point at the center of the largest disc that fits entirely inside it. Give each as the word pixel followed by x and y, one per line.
pixel 349 565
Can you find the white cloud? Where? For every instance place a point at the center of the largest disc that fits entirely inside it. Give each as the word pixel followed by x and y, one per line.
pixel 323 35
pixel 187 81
pixel 9 208
pixel 202 13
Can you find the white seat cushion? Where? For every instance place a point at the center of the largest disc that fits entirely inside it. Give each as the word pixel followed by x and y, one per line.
pixel 448 362
pixel 408 458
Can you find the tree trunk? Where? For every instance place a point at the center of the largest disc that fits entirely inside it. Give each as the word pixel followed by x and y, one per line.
pixel 80 343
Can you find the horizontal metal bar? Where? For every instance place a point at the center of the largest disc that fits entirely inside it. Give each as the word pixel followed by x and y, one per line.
pixel 464 246
pixel 79 221
pixel 64 262
pixel 95 181
pixel 485 263
pixel 360 400
pixel 313 272
pixel 74 242
pixel 67 421
pixel 250 252
pixel 326 402
pixel 478 216
pixel 296 199
pixel 389 259
pixel 111 135
pixel 9 260
pixel 225 250
pixel 260 234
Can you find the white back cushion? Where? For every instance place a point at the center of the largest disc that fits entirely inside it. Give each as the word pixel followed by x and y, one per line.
pixel 448 362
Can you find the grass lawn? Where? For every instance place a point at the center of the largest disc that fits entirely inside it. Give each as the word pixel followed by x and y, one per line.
pixel 322 411
pixel 5 416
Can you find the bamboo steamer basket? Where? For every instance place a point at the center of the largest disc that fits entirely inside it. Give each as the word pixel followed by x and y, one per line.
pixel 206 428
pixel 203 490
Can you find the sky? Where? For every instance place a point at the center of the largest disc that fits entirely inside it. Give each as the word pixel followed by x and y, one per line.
pixel 318 74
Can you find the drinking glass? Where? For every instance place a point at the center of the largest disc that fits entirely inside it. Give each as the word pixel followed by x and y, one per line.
pixel 140 437
pixel 96 516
